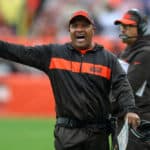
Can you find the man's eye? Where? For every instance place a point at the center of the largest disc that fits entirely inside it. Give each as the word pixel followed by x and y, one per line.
pixel 74 25
pixel 127 26
pixel 85 25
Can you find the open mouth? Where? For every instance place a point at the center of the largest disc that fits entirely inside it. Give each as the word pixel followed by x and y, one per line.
pixel 80 38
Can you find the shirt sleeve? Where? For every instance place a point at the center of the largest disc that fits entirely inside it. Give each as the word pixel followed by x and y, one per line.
pixel 32 56
pixel 121 91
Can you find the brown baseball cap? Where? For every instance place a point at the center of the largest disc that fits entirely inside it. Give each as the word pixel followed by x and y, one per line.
pixel 82 13
pixel 127 19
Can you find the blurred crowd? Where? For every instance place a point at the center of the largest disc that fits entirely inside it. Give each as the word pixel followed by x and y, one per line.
pixel 49 18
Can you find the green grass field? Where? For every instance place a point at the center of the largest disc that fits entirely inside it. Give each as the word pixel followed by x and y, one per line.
pixel 26 134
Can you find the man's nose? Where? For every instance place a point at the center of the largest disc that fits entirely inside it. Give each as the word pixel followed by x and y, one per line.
pixel 122 28
pixel 79 28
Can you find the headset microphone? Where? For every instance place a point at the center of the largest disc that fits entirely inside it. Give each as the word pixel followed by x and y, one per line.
pixel 124 37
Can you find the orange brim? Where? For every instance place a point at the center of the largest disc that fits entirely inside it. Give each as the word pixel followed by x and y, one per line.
pixel 125 21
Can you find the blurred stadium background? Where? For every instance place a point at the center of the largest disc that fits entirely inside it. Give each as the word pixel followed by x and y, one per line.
pixel 26 98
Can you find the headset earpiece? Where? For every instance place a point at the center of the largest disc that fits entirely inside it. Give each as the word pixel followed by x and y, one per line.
pixel 141 21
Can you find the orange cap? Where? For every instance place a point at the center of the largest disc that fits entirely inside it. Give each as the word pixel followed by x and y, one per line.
pixel 82 13
pixel 127 19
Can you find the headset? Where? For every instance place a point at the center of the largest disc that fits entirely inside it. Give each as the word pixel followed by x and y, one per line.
pixel 142 23
pixel 143 131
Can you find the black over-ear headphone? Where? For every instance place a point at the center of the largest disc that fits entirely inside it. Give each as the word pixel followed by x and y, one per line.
pixel 141 20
